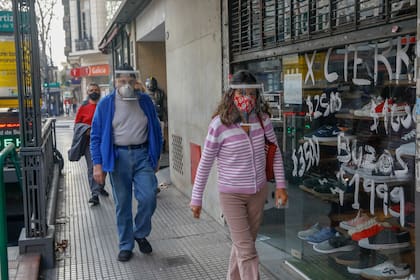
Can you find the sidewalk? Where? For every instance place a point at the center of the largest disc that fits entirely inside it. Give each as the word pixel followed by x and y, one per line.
pixel 86 237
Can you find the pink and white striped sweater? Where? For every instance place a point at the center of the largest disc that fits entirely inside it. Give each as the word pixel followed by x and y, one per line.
pixel 240 158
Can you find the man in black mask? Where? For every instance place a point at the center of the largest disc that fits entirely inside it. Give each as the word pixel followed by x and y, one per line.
pixel 83 121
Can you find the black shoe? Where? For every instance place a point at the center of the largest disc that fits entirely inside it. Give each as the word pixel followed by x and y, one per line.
pixel 94 200
pixel 103 192
pixel 144 245
pixel 125 255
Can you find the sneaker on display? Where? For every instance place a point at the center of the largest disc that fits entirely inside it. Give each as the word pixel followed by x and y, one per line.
pixel 304 234
pixel 363 226
pixel 409 136
pixel 410 277
pixel 322 235
pixel 378 108
pixel 367 108
pixel 402 138
pixel 366 261
pixel 408 209
pixel 386 270
pixel 408 149
pixel 337 243
pixel 325 133
pixel 387 238
pixel 390 108
pixel 359 256
pixel 358 220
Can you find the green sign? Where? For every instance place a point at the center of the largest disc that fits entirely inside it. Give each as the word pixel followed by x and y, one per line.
pixel 5 140
pixel 52 85
pixel 6 21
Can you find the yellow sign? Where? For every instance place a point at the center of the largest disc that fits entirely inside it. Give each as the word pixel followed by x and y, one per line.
pixel 8 80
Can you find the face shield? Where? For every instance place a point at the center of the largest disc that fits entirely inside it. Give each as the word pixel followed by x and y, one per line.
pixel 125 82
pixel 244 88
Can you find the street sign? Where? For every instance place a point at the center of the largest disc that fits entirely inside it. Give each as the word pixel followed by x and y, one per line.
pixel 52 85
pixel 6 22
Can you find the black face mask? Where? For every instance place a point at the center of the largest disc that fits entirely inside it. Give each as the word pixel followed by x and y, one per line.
pixel 94 96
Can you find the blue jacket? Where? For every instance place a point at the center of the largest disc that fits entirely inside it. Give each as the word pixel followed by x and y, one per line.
pixel 101 137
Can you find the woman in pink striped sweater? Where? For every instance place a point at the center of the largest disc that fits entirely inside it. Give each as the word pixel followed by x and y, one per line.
pixel 236 139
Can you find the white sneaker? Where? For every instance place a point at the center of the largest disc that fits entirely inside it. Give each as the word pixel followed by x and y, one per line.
pixel 386 270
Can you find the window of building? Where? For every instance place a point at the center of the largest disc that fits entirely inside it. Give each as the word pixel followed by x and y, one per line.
pixel 347 133
pixel 256 25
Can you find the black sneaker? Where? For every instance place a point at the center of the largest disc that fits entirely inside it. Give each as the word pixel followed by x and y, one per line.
pixel 94 200
pixel 144 245
pixel 125 255
pixel 103 192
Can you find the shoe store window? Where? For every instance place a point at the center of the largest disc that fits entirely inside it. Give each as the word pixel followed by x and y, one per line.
pixel 347 132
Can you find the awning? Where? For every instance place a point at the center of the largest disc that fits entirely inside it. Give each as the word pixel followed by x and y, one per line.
pixel 126 13
pixel 103 45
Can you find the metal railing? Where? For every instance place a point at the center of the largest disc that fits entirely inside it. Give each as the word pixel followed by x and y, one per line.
pixel 9 151
pixel 38 160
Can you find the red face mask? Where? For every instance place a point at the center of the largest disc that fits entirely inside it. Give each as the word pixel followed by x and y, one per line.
pixel 245 103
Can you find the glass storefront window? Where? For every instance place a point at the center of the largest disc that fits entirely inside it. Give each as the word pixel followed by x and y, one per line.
pixel 347 131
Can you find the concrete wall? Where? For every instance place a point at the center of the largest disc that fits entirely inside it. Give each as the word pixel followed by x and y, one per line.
pixel 152 16
pixel 194 83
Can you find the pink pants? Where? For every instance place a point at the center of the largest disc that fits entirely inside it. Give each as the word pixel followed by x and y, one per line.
pixel 243 213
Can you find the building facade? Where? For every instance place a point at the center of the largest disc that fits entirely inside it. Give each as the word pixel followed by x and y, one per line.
pixel 84 24
pixel 341 80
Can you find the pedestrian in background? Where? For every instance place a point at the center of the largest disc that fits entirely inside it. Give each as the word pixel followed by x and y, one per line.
pixel 82 128
pixel 236 139
pixel 126 142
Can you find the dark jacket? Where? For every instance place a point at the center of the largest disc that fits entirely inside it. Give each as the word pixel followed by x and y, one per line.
pixel 79 143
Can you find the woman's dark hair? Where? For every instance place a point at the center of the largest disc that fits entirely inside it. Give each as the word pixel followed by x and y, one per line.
pixel 227 110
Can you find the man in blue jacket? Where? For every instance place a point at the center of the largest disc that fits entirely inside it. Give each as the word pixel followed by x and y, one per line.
pixel 126 142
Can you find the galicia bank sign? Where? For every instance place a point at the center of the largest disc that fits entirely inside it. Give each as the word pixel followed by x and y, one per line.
pixel 99 70
pixel 6 22
pixel 93 70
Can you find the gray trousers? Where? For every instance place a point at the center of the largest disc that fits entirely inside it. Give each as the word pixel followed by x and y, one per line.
pixel 95 188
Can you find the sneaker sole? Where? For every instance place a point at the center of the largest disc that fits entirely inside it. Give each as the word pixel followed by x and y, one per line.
pixel 354 270
pixel 346 262
pixel 322 139
pixel 383 246
pixel 381 277
pixel 335 250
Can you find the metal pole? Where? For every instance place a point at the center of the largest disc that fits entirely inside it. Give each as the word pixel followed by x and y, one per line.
pixel 3 218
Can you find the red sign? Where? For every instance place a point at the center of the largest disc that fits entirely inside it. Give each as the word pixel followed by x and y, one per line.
pixel 94 70
pixel 84 71
pixel 75 72
pixel 99 70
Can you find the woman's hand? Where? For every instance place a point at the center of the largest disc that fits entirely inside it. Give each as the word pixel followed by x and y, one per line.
pixel 98 174
pixel 196 211
pixel 281 195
